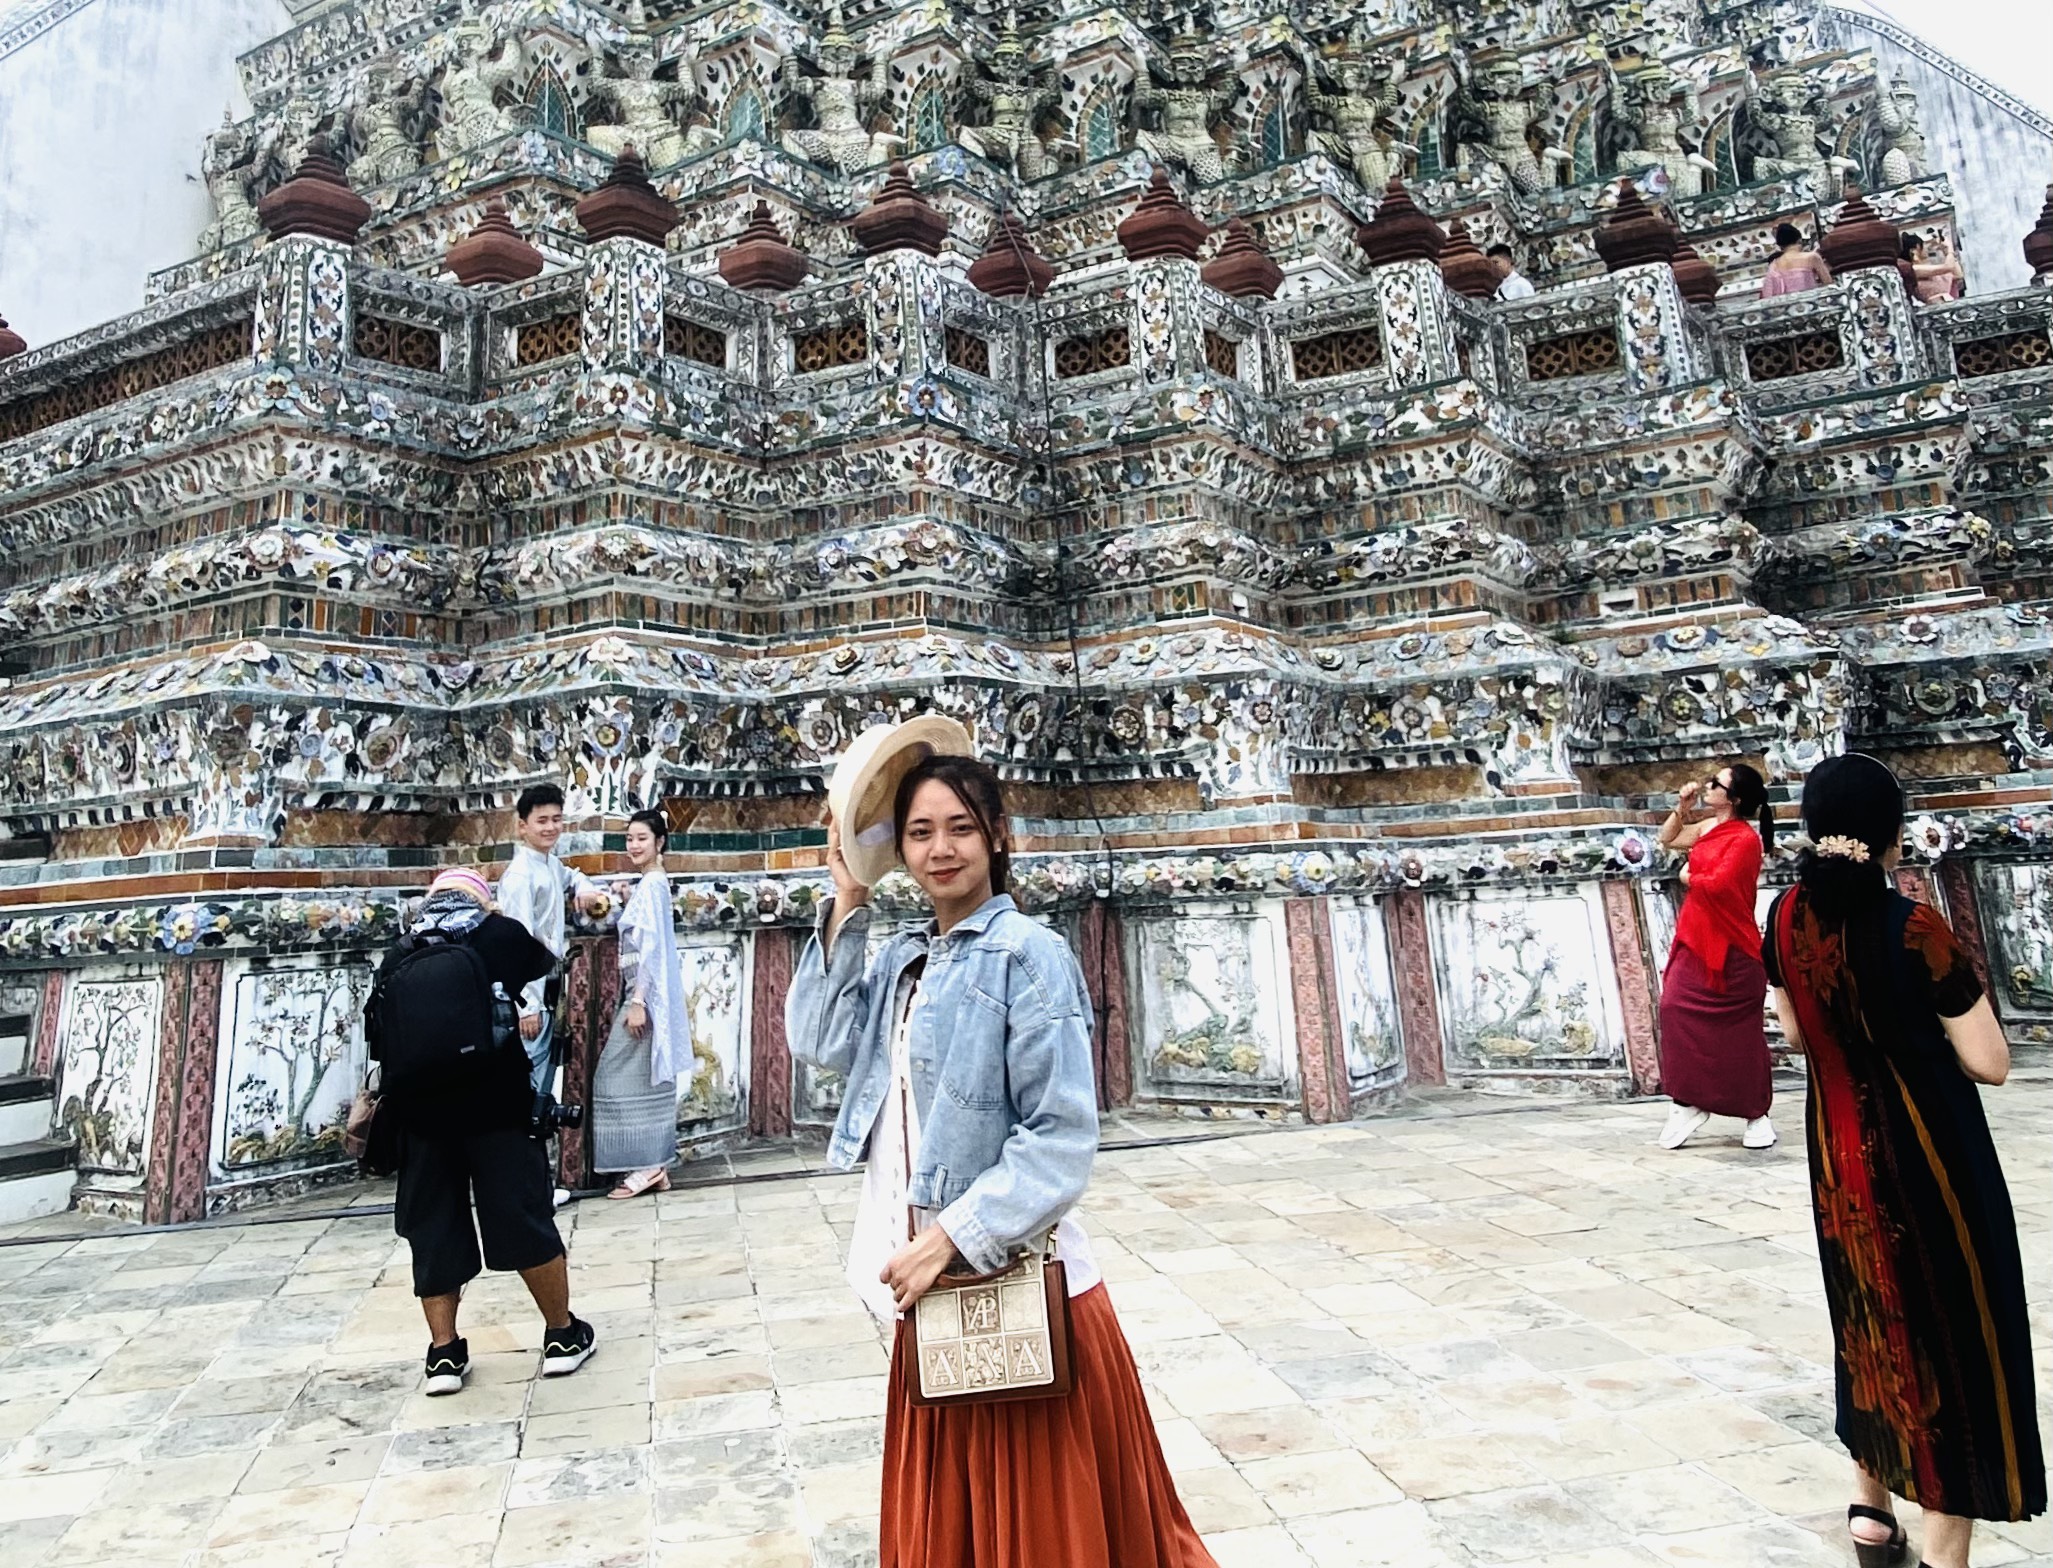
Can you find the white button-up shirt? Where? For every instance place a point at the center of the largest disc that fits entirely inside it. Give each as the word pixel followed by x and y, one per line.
pixel 532 891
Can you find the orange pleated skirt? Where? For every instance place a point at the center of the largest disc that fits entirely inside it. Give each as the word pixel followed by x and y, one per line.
pixel 1077 1482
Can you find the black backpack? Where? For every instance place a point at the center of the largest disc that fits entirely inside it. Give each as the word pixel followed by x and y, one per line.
pixel 432 1022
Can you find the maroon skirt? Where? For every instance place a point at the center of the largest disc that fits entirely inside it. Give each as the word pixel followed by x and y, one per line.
pixel 1714 1046
pixel 1076 1482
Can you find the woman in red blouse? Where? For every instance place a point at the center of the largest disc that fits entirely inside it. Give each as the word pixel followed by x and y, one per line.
pixel 1714 1048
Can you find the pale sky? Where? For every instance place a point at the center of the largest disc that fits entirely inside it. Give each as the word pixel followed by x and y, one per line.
pixel 2008 41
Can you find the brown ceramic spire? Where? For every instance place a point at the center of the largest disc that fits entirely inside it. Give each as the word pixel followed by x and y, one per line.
pixel 1860 238
pixel 1242 268
pixel 11 342
pixel 1465 269
pixel 1161 225
pixel 2038 245
pixel 760 258
pixel 1694 276
pixel 493 252
pixel 1399 231
pixel 627 206
pixel 899 217
pixel 317 200
pixel 1634 235
pixel 1009 266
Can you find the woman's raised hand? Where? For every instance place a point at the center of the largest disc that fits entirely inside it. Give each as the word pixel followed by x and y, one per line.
pixel 847 891
pixel 1686 797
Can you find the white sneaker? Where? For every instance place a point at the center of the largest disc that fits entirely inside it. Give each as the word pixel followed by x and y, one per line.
pixel 1683 1122
pixel 562 1196
pixel 1760 1134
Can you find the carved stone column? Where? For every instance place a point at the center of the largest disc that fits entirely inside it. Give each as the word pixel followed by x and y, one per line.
pixel 1416 326
pixel 901 306
pixel 1956 880
pixel 1886 345
pixel 304 316
pixel 1101 948
pixel 188 1040
pixel 1636 990
pixel 1418 997
pixel 769 1105
pixel 623 306
pixel 1321 1048
pixel 1168 340
pixel 1652 326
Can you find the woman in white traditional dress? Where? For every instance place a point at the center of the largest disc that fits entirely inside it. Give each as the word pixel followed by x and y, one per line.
pixel 634 1089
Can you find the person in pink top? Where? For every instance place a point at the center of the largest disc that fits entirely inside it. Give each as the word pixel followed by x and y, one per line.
pixel 1794 268
pixel 1939 277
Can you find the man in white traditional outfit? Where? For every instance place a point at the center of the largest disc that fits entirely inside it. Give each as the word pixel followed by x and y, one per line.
pixel 532 891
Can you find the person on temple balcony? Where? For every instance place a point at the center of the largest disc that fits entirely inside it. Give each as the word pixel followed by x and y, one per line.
pixel 1939 277
pixel 1714 1044
pixel 1511 283
pixel 1795 268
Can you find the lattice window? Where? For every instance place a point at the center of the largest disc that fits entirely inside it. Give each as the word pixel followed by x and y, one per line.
pixel 694 340
pixel 967 351
pixel 1777 359
pixel 1086 356
pixel 398 343
pixel 1336 353
pixel 1222 354
pixel 1572 354
pixel 203 351
pixel 830 348
pixel 1993 356
pixel 554 337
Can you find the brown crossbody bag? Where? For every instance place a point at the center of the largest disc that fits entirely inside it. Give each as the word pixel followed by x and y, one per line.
pixel 980 1339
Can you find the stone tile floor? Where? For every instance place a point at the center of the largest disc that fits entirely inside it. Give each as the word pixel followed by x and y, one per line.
pixel 1480 1333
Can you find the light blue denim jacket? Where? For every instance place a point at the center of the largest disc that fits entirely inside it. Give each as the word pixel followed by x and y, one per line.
pixel 1001 1066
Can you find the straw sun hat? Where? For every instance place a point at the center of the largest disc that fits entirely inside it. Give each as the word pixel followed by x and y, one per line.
pixel 865 786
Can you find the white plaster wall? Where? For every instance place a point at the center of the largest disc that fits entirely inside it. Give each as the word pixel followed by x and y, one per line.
pixel 1999 163
pixel 101 120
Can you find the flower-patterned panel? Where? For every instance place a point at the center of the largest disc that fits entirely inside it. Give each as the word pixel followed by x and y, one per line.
pixel 1526 983
pixel 1213 1020
pixel 107 1070
pixel 1367 993
pixel 292 1059
pixel 716 991
pixel 2017 901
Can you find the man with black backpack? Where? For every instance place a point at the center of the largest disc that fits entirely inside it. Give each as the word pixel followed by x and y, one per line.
pixel 455 1078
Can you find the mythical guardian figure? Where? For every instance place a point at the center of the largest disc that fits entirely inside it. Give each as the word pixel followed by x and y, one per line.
pixel 227 167
pixel 387 119
pixel 1368 90
pixel 1784 115
pixel 843 105
pixel 479 67
pixel 647 108
pixel 1188 106
pixel 1666 124
pixel 1896 112
pixel 1015 101
pixel 1495 110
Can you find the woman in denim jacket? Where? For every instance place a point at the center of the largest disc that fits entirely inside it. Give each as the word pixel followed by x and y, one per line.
pixel 966 1046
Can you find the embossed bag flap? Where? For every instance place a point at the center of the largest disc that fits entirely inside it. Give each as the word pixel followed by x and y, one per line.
pixel 998 1337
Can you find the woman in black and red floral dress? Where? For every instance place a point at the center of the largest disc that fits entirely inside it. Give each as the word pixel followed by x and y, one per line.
pixel 1915 1230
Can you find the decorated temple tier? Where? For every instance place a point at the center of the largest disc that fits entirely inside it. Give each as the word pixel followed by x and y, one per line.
pixel 653 408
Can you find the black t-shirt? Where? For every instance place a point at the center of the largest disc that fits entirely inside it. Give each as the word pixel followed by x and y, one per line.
pixel 502 1095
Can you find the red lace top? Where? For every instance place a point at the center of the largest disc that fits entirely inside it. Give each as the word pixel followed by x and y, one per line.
pixel 1718 910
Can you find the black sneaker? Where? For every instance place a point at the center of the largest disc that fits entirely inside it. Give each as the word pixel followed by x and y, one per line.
pixel 447 1365
pixel 564 1350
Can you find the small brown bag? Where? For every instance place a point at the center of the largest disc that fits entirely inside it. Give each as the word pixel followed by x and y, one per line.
pixel 977 1339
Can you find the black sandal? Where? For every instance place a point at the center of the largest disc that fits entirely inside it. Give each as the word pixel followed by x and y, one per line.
pixel 1891 1553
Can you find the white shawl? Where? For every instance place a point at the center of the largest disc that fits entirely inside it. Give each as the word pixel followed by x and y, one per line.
pixel 647 930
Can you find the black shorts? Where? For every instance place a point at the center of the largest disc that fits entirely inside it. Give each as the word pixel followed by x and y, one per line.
pixel 506 1172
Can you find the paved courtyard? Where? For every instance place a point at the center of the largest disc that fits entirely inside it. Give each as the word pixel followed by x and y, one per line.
pixel 1480 1333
